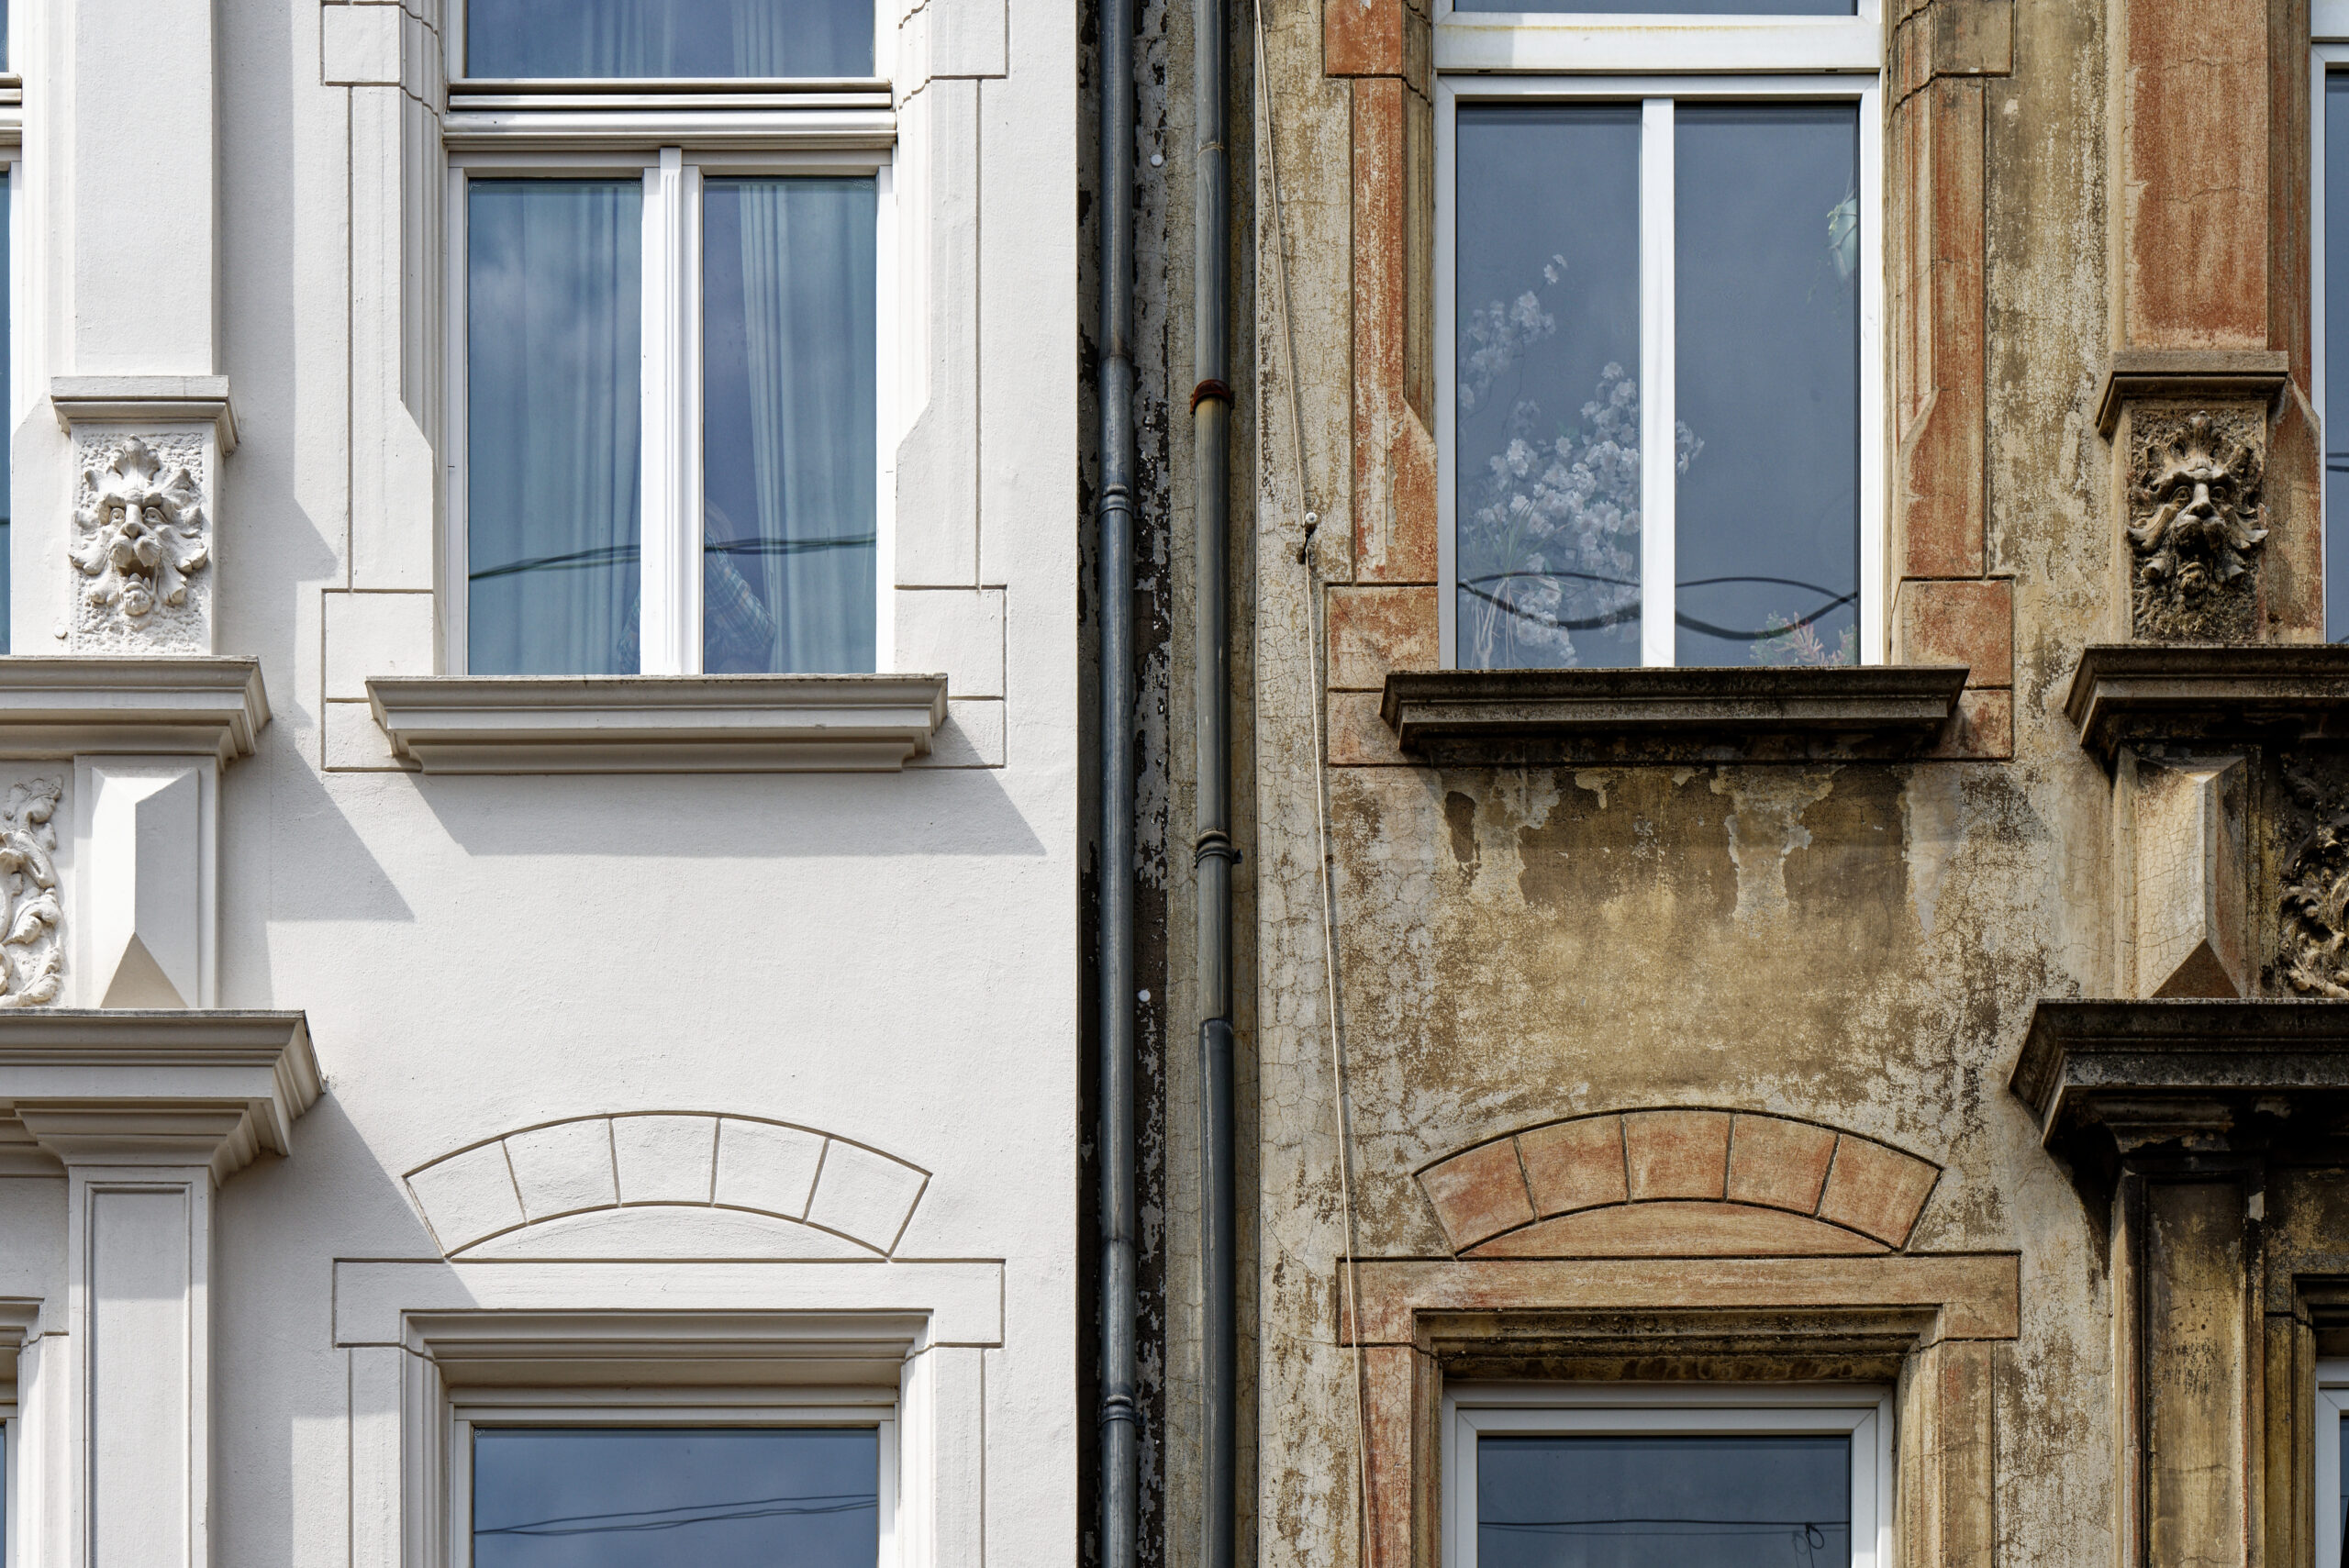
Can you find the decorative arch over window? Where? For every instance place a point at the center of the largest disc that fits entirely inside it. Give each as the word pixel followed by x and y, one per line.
pixel 659 1183
pixel 1677 1182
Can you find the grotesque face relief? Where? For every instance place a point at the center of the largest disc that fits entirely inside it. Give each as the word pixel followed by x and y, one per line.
pixel 2194 510
pixel 139 533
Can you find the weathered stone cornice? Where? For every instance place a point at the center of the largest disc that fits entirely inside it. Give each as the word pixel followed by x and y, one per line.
pixel 168 704
pixel 659 724
pixel 1657 715
pixel 2126 691
pixel 2191 1065
pixel 2210 375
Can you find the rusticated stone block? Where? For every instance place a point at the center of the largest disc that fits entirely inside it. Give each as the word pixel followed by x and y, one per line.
pixel 1478 1194
pixel 1574 1164
pixel 1875 1190
pixel 1358 737
pixel 1676 1153
pixel 1983 728
pixel 1969 622
pixel 1778 1163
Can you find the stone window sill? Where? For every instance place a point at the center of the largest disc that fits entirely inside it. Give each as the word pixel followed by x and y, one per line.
pixel 658 724
pixel 160 705
pixel 2127 692
pixel 1666 716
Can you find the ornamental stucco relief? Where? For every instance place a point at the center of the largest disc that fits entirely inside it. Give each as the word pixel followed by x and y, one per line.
pixel 141 538
pixel 2195 509
pixel 2313 928
pixel 31 967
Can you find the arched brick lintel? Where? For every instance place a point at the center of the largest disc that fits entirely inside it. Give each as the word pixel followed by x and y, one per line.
pixel 1678 1179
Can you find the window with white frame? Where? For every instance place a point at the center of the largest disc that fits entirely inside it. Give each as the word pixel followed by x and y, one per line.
pixel 2332 1486
pixel 1568 1475
pixel 1660 389
pixel 538 1481
pixel 666 389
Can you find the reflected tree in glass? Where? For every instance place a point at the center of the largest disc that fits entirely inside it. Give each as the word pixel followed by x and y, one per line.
pixel 1664 1502
pixel 748 1497
pixel 672 38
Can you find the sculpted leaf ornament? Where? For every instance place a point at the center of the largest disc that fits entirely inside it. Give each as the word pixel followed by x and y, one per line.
pixel 31 967
pixel 2315 911
pixel 141 533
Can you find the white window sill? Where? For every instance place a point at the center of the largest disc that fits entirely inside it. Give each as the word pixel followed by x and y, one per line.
pixel 174 705
pixel 658 724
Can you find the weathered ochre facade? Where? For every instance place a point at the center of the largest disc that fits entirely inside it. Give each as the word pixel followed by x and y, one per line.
pixel 1665 1063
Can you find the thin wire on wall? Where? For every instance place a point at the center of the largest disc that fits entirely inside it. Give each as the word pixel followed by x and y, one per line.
pixel 1315 620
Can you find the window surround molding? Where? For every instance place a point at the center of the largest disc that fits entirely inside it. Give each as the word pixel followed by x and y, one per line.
pixel 1860 1411
pixel 429 1340
pixel 2332 1408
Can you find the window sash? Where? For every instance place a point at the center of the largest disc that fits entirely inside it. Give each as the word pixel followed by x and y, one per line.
pixel 1657 95
pixel 884 41
pixel 1592 1409
pixel 2332 1408
pixel 670 626
pixel 2328 55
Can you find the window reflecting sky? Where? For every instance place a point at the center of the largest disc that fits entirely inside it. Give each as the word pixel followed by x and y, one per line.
pixel 2336 356
pixel 1546 385
pixel 741 1497
pixel 1664 1502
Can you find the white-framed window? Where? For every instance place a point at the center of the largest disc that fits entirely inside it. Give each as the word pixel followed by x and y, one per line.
pixel 2330 1492
pixel 1666 1476
pixel 669 339
pixel 1659 363
pixel 560 1478
pixel 2329 266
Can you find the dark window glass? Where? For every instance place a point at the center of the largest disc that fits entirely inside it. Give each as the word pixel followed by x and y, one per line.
pixel 1546 387
pixel 2337 357
pixel 593 1497
pixel 1767 379
pixel 687 38
pixel 787 421
pixel 7 392
pixel 554 319
pixel 1664 1502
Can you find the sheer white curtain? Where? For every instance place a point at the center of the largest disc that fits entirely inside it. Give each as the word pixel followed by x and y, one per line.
pixel 668 38
pixel 553 325
pixel 788 454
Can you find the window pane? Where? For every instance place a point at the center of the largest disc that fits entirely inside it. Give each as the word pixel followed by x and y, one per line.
pixel 589 1497
pixel 1547 396
pixel 7 391
pixel 2337 357
pixel 1693 1502
pixel 787 425
pixel 553 324
pixel 668 38
pixel 1767 330
pixel 2344 1537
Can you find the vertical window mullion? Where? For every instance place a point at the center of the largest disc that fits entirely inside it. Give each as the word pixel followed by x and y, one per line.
pixel 1657 351
pixel 1875 587
pixel 687 529
pixel 664 613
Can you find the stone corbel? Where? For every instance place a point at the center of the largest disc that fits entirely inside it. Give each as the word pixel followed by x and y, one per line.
pixel 148 1113
pixel 147 454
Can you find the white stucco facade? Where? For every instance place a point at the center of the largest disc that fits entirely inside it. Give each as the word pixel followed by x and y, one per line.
pixel 412 1046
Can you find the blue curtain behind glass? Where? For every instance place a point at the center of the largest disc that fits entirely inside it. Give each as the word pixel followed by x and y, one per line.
pixel 553 322
pixel 678 1499
pixel 668 38
pixel 787 419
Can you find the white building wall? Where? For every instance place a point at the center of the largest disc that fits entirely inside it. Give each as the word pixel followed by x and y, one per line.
pixel 887 961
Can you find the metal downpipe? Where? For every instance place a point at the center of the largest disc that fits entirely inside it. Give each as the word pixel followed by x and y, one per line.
pixel 1213 852
pixel 1120 1412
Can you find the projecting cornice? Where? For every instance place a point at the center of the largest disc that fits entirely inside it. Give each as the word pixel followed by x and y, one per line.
pixel 159 706
pixel 659 724
pixel 107 1086
pixel 2123 692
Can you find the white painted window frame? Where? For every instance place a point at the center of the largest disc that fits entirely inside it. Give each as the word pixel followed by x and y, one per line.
pixel 2329 50
pixel 471 1408
pixel 453 18
pixel 669 627
pixel 1657 63
pixel 2331 1407
pixel 1594 1410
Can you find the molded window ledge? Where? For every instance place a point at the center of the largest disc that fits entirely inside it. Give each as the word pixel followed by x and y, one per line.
pixel 2135 692
pixel 164 705
pixel 658 724
pixel 125 1085
pixel 1668 716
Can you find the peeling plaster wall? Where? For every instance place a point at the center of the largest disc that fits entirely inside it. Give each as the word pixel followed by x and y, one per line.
pixel 1860 944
